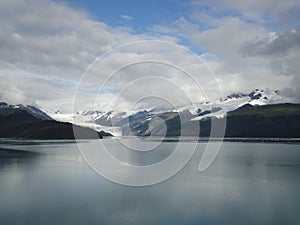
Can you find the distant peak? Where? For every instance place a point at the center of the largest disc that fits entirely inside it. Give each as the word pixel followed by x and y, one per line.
pixel 235 95
pixel 3 104
pixel 34 111
pixel 254 95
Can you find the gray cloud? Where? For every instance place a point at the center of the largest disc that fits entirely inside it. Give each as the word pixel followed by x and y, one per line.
pixel 280 53
pixel 276 44
pixel 45 47
pixel 255 44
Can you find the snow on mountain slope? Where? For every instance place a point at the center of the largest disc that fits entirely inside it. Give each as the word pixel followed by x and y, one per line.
pixel 113 121
pixel 87 119
pixel 234 101
pixel 37 113
pixel 256 97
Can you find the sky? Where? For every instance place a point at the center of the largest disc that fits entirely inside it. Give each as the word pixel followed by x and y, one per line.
pixel 47 49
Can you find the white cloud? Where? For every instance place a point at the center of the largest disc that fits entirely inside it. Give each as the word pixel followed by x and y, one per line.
pixel 155 59
pixel 274 12
pixel 225 42
pixel 126 17
pixel 255 43
pixel 51 38
pixel 45 40
pixel 46 46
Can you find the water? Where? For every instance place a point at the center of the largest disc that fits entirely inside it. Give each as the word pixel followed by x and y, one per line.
pixel 249 183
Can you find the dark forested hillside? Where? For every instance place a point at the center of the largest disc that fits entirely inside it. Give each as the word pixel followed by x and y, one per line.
pixel 28 122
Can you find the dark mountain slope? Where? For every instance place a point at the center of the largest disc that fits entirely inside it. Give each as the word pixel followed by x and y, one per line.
pixel 28 122
pixel 276 121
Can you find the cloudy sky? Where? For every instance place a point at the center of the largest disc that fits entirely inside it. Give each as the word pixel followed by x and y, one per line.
pixel 48 50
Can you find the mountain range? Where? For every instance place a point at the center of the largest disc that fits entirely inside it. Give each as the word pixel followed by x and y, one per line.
pixel 259 114
pixel 257 119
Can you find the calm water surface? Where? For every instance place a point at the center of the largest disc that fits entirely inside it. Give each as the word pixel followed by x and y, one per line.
pixel 249 183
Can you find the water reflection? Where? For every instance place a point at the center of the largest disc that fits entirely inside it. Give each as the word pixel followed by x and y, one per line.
pixel 248 184
pixel 16 159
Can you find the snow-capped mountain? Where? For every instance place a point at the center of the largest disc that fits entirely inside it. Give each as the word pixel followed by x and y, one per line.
pixel 37 113
pixel 236 100
pixel 28 122
pixel 117 122
pixel 256 97
pixel 159 121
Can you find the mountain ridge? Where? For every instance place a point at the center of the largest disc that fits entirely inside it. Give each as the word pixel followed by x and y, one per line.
pixel 247 115
pixel 268 121
pixel 197 111
pixel 28 122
